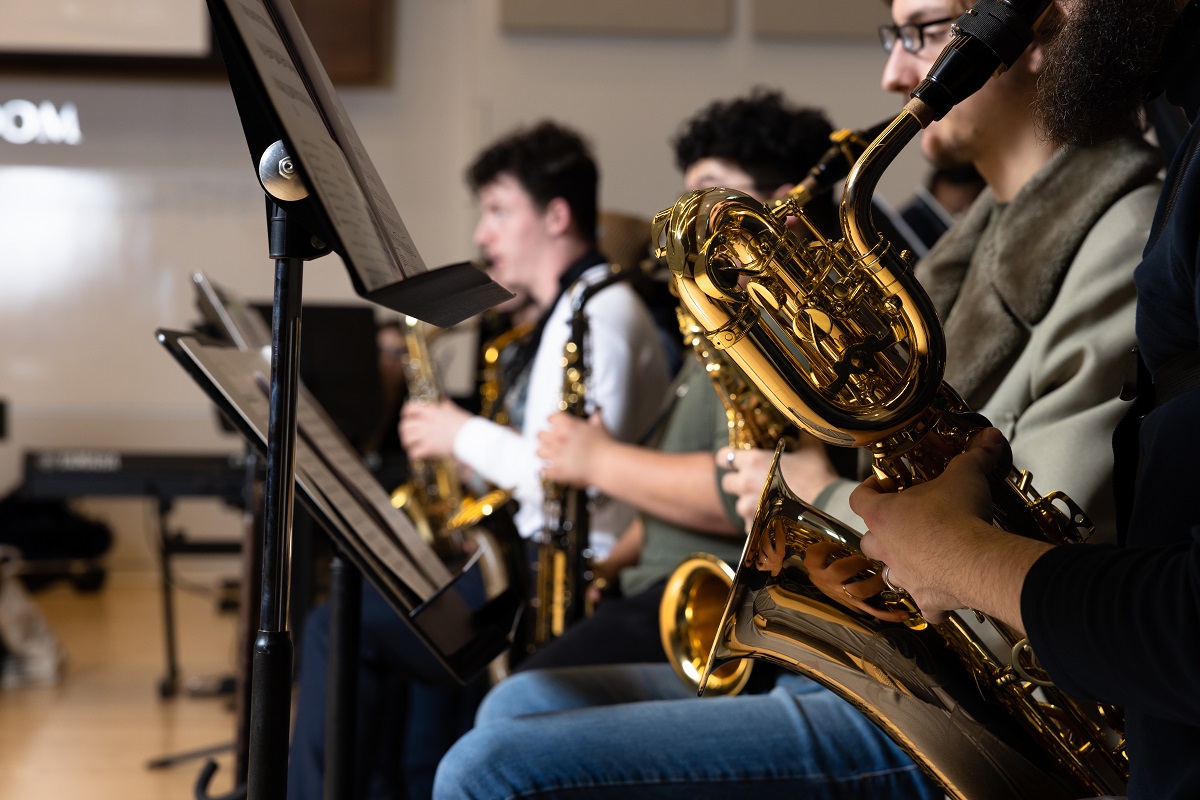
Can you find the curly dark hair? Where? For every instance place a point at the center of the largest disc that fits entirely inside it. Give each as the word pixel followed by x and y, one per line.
pixel 769 139
pixel 549 161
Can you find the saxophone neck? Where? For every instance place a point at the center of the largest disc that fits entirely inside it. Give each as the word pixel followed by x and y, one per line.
pixel 418 365
pixel 857 220
pixel 846 146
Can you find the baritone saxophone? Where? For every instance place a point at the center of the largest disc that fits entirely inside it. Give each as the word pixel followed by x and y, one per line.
pixel 854 354
pixel 697 589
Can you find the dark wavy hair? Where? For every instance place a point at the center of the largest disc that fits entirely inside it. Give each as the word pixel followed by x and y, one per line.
pixel 549 161
pixel 769 139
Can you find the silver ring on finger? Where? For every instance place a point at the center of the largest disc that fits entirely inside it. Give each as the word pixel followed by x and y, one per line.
pixel 887 579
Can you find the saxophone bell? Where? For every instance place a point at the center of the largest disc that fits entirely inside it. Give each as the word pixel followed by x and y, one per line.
pixel 688 622
pixel 804 597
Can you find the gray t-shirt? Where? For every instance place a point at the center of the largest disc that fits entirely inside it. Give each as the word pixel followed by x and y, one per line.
pixel 697 423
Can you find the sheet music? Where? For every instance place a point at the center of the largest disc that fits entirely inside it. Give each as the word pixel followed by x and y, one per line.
pixel 334 181
pixel 240 323
pixel 233 372
pixel 249 332
pixel 319 430
pixel 387 216
pixel 323 164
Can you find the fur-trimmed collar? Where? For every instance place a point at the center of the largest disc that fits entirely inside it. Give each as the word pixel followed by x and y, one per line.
pixel 990 296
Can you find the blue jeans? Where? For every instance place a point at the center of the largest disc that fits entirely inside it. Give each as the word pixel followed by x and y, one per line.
pixel 631 731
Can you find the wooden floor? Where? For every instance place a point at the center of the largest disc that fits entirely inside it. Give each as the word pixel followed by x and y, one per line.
pixel 91 737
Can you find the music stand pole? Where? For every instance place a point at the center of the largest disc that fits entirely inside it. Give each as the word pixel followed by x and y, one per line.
pixel 271 671
pixel 341 696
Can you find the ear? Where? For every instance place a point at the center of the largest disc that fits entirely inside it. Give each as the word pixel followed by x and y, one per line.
pixel 557 216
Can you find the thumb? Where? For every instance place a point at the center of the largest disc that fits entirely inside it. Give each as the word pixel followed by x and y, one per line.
pixel 988 452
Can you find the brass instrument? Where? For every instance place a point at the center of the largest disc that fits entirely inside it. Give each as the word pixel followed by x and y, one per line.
pixel 689 620
pixel 854 354
pixel 434 498
pixel 562 566
pixel 492 388
pixel 697 589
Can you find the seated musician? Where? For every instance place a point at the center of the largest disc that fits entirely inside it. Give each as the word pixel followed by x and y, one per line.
pixel 537 190
pixel 1116 624
pixel 763 146
pixel 1037 279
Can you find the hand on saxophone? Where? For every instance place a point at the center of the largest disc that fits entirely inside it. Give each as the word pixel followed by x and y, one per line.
pixel 570 447
pixel 807 470
pixel 428 430
pixel 938 540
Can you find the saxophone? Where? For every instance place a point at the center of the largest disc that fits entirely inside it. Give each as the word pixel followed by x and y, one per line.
pixel 491 384
pixel 696 590
pixel 854 355
pixel 434 498
pixel 563 560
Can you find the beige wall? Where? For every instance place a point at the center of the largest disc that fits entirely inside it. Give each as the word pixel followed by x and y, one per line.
pixel 98 241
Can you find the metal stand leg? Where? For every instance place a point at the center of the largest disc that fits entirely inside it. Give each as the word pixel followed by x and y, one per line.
pixel 345 621
pixel 168 685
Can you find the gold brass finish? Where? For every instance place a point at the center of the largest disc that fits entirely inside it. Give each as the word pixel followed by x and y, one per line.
pixel 492 388
pixel 689 617
pixel 433 498
pixel 840 337
pixel 696 590
pixel 563 562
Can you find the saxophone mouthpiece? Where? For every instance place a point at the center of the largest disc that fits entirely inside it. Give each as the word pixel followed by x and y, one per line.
pixel 989 38
pixel 847 145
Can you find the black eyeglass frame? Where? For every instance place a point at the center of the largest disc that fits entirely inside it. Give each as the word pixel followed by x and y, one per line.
pixel 912 33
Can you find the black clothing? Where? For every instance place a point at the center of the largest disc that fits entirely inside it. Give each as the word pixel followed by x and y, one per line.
pixel 623 630
pixel 528 347
pixel 1123 624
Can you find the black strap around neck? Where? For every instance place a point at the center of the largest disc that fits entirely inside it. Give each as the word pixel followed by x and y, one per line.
pixel 1178 376
pixel 523 357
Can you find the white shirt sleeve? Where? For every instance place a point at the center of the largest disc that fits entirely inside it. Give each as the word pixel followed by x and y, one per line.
pixel 626 380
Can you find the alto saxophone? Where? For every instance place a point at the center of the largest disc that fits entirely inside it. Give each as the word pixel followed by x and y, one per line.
pixel 854 355
pixel 491 384
pixel 563 561
pixel 433 498
pixel 695 593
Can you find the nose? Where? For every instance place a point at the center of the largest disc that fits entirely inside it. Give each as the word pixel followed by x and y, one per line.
pixel 900 72
pixel 478 236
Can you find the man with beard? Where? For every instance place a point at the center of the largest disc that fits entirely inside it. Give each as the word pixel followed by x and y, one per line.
pixel 1034 283
pixel 1037 283
pixel 1119 624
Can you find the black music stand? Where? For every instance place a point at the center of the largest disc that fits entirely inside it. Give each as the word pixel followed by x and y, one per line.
pixel 337 488
pixel 323 194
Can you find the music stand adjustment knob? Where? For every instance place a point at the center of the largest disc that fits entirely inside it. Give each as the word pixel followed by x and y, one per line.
pixel 280 175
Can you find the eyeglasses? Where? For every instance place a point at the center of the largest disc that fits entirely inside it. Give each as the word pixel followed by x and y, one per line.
pixel 910 36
